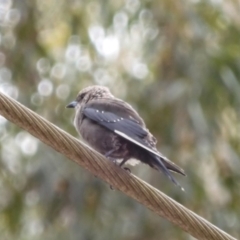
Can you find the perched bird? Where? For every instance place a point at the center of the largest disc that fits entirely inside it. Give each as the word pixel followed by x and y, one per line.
pixel 114 129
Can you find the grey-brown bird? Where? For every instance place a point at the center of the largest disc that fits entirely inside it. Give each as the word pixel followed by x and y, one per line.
pixel 114 129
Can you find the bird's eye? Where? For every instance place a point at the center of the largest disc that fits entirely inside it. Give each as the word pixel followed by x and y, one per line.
pixel 80 98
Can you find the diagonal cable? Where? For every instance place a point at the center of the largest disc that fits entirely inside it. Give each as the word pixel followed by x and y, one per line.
pixel 129 184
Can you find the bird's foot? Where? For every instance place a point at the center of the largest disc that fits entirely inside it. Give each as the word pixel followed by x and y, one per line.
pixel 111 187
pixel 127 169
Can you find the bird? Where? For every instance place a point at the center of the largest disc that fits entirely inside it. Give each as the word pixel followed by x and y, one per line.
pixel 113 128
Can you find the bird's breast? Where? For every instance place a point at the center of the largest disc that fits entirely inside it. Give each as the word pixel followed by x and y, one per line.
pixel 98 137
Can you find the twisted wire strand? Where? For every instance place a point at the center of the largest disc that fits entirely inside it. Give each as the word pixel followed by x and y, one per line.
pixel 121 180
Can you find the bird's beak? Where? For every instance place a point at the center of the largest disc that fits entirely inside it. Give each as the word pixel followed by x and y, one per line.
pixel 72 104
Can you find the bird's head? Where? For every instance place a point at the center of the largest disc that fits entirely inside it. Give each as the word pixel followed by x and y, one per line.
pixel 89 93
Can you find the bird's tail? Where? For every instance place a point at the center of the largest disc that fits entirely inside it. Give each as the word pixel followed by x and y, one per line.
pixel 163 164
pixel 172 166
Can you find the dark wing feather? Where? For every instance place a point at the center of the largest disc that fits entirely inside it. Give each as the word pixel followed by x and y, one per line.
pixel 114 123
pixel 118 107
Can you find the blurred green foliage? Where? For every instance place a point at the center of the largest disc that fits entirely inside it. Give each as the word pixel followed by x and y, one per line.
pixel 176 62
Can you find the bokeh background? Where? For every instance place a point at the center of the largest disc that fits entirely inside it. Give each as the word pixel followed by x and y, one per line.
pixel 176 62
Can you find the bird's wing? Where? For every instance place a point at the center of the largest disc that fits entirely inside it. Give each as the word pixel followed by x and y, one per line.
pixel 121 118
pixel 117 106
pixel 115 123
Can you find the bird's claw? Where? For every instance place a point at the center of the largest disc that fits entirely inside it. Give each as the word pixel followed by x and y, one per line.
pixel 127 169
pixel 111 187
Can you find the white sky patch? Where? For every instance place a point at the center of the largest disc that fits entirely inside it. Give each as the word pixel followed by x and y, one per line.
pixel 132 5
pixel 109 47
pixel 102 77
pixel 63 91
pixel 45 87
pixel 36 99
pixel 58 71
pixel 13 16
pixel 73 52
pixel 9 90
pixel 5 4
pixel 10 155
pixel 2 120
pixel 27 143
pixel 43 65
pixel 140 70
pixel 84 63
pixel 120 21
pixel 151 33
pixel 96 33
pixel 34 227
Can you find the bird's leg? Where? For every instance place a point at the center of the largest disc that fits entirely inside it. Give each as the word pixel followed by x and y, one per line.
pixel 123 161
pixel 107 154
pixel 121 164
pixel 110 158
